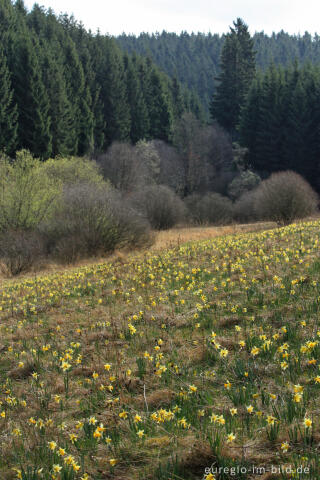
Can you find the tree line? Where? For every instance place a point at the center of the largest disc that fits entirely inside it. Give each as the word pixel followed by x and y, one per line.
pixel 65 91
pixel 274 114
pixel 280 122
pixel 194 58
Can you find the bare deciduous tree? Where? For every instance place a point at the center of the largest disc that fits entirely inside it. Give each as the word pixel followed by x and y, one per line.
pixel 171 166
pixel 206 154
pixel 119 165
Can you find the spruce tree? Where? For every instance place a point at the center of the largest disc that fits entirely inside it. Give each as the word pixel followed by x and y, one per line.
pixel 308 97
pixel 138 109
pixel 159 108
pixel 196 108
pixel 86 124
pixel 296 125
pixel 74 77
pixel 99 125
pixel 270 135
pixel 114 92
pixel 237 64
pixel 95 51
pixel 32 99
pixel 177 98
pixel 280 123
pixel 250 119
pixel 144 68
pixel 8 23
pixel 8 110
pixel 62 126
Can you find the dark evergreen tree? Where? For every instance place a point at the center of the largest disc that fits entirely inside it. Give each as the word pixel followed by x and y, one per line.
pixel 99 125
pixel 140 124
pixel 60 110
pixel 296 124
pixel 270 134
pixel 74 76
pixel 86 124
pixel 31 98
pixel 95 49
pixel 89 88
pixel 20 7
pixel 158 107
pixel 8 110
pixel 196 108
pixel 311 163
pixel 237 72
pixel 8 23
pixel 302 142
pixel 176 98
pixel 225 106
pixel 111 75
pixel 250 118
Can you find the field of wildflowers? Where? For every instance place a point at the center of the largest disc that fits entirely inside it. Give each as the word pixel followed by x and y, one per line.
pixel 165 363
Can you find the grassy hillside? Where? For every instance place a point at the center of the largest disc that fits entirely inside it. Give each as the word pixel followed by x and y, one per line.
pixel 162 364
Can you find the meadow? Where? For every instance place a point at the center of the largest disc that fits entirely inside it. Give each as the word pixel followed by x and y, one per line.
pixel 161 364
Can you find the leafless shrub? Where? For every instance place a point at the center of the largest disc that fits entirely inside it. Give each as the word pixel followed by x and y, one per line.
pixel 284 197
pixel 119 165
pixel 93 221
pixel 171 166
pixel 133 229
pixel 19 251
pixel 211 208
pixel 130 167
pixel 244 208
pixel 159 205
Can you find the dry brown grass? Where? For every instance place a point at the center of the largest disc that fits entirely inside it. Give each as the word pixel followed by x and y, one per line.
pixel 163 240
pixel 179 235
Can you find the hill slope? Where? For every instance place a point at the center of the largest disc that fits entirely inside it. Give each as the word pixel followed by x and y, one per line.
pixel 167 363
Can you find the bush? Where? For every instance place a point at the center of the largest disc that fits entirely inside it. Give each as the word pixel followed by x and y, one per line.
pixel 72 170
pixel 243 183
pixel 27 195
pixel 121 167
pixel 211 208
pixel 244 208
pixel 171 166
pixel 160 206
pixel 133 229
pixel 130 167
pixel 285 197
pixel 19 251
pixel 92 220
